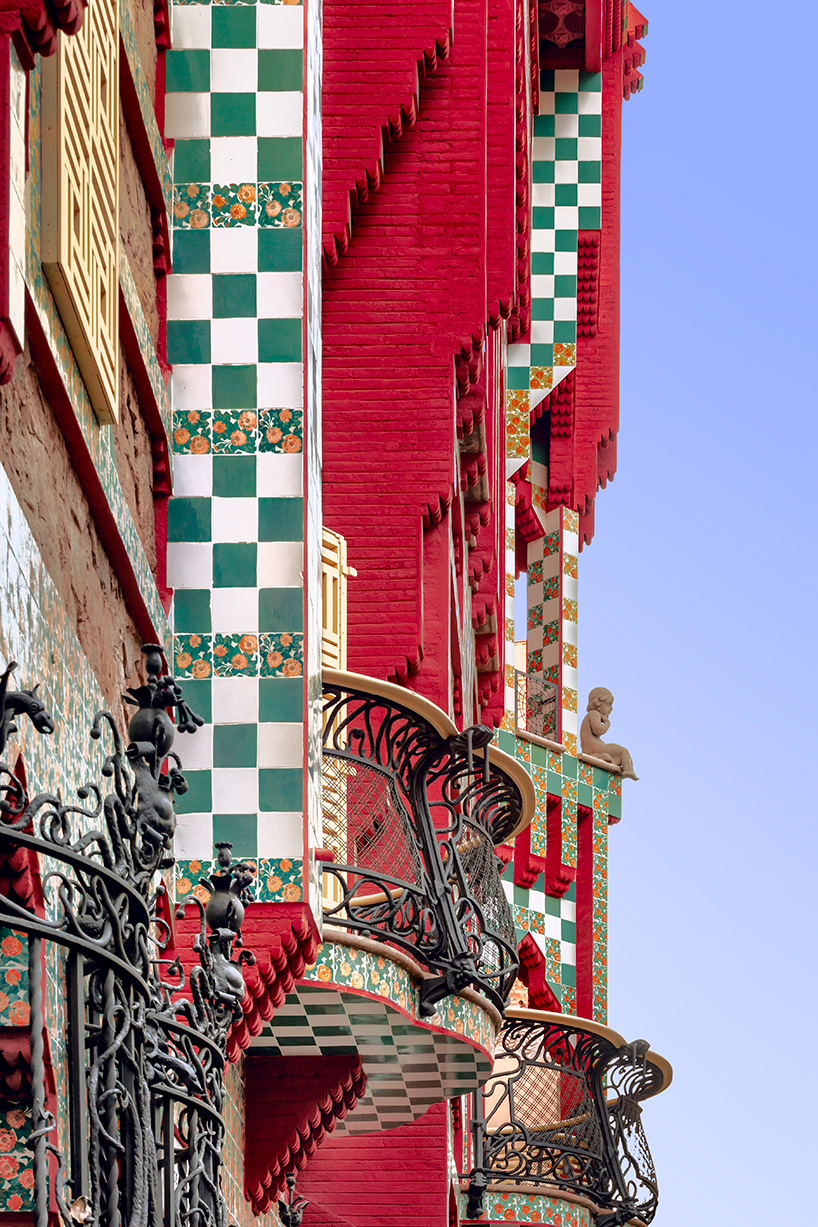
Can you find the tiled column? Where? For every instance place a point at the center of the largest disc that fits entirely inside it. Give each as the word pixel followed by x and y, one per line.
pixel 236 526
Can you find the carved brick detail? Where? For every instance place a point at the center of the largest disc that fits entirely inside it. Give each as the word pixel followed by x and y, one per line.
pixel 589 243
pixel 81 198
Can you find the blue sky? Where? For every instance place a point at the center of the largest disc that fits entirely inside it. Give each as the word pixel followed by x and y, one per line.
pixel 697 602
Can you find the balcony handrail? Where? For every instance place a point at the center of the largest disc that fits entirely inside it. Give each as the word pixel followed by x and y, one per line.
pixel 562 1110
pixel 413 809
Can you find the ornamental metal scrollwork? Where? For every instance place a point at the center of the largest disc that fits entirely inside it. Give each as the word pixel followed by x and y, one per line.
pixel 562 1110
pixel 411 819
pixel 145 1042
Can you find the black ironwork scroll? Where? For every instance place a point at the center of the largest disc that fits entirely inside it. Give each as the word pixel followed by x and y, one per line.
pixel 562 1110
pixel 412 818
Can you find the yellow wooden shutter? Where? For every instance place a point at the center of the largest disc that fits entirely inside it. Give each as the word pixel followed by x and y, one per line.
pixel 334 573
pixel 81 197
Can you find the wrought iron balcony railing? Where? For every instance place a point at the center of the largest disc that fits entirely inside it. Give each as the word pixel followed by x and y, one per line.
pixel 535 705
pixel 562 1109
pixel 412 812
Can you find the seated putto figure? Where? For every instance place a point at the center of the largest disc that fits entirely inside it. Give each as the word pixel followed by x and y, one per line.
pixel 600 703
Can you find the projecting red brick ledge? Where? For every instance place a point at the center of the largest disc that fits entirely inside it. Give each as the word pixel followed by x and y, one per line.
pixel 311 1094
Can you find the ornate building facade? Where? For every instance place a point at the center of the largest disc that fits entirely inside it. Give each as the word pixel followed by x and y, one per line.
pixel 309 332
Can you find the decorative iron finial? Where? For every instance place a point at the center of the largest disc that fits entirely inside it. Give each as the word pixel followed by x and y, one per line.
pixel 230 889
pixel 292 1210
pixel 20 703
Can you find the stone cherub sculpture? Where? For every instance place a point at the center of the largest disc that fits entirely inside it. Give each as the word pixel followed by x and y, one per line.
pixel 596 722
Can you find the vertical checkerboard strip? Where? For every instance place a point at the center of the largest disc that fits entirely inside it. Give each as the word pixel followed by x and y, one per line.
pixel 234 107
pixel 567 197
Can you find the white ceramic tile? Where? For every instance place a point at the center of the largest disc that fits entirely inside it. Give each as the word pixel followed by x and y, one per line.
pixel 542 332
pixel 234 340
pixel 193 477
pixel 589 148
pixel 235 790
pixel 519 355
pixel 543 148
pixel 194 837
pixel 281 834
pixel 566 217
pixel 233 69
pixel 234 610
pixel 190 564
pixel 280 26
pixel 566 126
pixel 546 102
pixel 187 115
pixel 280 564
pixel 566 172
pixel 280 745
pixel 233 159
pixel 196 750
pixel 234 250
pixel 542 285
pixel 190 296
pixel 590 103
pixel 234 519
pixel 565 308
pixel 589 194
pixel 280 113
pixel 191 387
pixel 279 475
pixel 542 240
pixel 542 195
pixel 565 263
pixel 235 699
pixel 191 26
pixel 566 80
pixel 280 295
pixel 280 385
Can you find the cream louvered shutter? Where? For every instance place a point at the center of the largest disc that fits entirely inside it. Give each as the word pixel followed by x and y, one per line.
pixel 81 197
pixel 334 573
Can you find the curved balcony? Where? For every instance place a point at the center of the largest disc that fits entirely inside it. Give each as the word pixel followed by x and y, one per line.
pixel 412 812
pixel 562 1111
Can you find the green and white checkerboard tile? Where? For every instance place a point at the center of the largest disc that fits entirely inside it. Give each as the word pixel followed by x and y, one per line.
pixel 566 198
pixel 408 1068
pixel 234 107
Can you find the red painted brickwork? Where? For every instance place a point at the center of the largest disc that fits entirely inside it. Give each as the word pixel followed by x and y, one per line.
pixel 404 332
pixel 381 1179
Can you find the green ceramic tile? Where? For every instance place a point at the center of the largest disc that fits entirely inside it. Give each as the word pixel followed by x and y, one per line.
pixel 565 331
pixel 568 975
pixel 542 217
pixel 235 745
pixel 565 286
pixel 565 240
pixel 542 309
pixel 279 340
pixel 197 799
pixel 189 520
pixel 191 608
pixel 568 931
pixel 188 341
pixel 614 805
pixel 585 794
pixel 234 564
pixel 280 70
pixel 187 71
pixel 281 700
pixel 234 296
pixel 590 82
pixel 234 476
pixel 569 766
pixel 234 387
pixel 517 378
pixel 566 104
pixel 571 893
pixel 191 158
pixel 542 262
pixel 590 217
pixel 280 609
pixel 199 696
pixel 565 149
pixel 552 906
pixel 233 26
pixel 565 194
pixel 280 788
pixel 280 158
pixel 590 172
pixel 280 250
pixel 233 114
pixel 280 519
pixel 191 251
pixel 547 80
pixel 601 777
pixel 505 741
pixel 542 355
pixel 590 125
pixel 543 125
pixel 542 172
pixel 240 830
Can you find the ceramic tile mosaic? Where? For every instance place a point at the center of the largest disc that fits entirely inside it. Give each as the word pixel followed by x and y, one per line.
pixel 353 1001
pixel 566 173
pixel 99 440
pixel 515 1208
pixel 14 1008
pixel 551 592
pixel 246 426
pixel 16 1161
